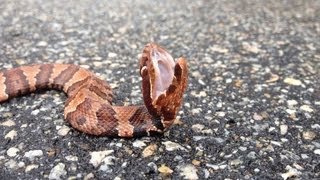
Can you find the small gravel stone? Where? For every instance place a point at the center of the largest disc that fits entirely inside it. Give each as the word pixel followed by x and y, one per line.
pixel 12 164
pixel 189 172
pixel 58 172
pixel 42 44
pixel 235 162
pixel 197 127
pixel 221 113
pixel 283 129
pixel 317 151
pixel 11 135
pixel 292 81
pixel 149 150
pixel 291 172
pixel 273 78
pixel 112 55
pixel 309 135
pixel 11 152
pixel 35 112
pixel 89 176
pixel 257 117
pixel 21 164
pixel 304 156
pixel 33 154
pixel 64 130
pixel 98 156
pixel 251 155
pixel 163 169
pixel 251 47
pixel 31 167
pixel 172 146
pixel 107 162
pixel 292 103
pixel 196 111
pixel 139 144
pixel 153 166
pixel 306 108
pixel 71 158
pixel 8 123
pixel 218 49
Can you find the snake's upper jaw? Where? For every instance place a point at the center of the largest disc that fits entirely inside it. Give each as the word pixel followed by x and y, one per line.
pixel 163 81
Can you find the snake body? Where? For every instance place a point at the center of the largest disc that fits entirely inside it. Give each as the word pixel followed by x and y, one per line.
pixel 89 106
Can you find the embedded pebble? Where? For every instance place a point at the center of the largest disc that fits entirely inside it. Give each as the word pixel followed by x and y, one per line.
pixel 291 172
pixel 273 78
pixel 35 112
pixel 257 117
pixel 196 111
pixel 89 176
pixel 251 47
pixel 149 150
pixel 112 55
pixel 283 129
pixel 8 123
pixel 317 151
pixel 71 158
pixel 308 135
pixel 98 156
pixel 31 167
pixel 11 152
pixel 139 144
pixel 235 162
pixel 189 172
pixel 58 171
pixel 11 135
pixel 291 112
pixel 292 103
pixel 33 154
pixel 11 164
pixel 306 108
pixel 218 49
pixel 172 146
pixel 292 81
pixel 251 155
pixel 106 163
pixel 152 166
pixel 42 44
pixel 64 130
pixel 197 127
pixel 207 131
pixel 163 169
pixel 221 113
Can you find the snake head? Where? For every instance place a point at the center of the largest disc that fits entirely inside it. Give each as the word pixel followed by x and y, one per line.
pixel 164 82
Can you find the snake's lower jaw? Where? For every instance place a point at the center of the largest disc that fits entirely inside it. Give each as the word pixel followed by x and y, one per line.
pixel 163 82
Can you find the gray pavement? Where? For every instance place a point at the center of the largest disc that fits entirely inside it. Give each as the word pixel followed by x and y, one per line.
pixel 252 109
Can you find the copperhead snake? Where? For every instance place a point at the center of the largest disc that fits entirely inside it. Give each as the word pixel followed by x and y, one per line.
pixel 88 107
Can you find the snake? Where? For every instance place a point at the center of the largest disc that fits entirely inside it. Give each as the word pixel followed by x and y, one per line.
pixel 89 107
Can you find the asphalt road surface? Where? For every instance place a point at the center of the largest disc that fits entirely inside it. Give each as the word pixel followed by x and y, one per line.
pixel 251 111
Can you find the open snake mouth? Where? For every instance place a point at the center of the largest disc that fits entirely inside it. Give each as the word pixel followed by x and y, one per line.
pixel 163 65
pixel 163 81
pixel 160 67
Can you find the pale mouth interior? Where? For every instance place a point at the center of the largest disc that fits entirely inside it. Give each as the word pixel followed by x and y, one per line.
pixel 163 65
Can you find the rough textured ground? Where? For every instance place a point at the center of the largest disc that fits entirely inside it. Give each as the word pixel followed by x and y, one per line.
pixel 252 110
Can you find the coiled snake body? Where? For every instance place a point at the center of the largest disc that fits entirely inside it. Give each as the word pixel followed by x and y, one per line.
pixel 89 108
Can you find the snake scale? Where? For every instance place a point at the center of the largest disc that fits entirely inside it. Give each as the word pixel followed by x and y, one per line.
pixel 89 108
